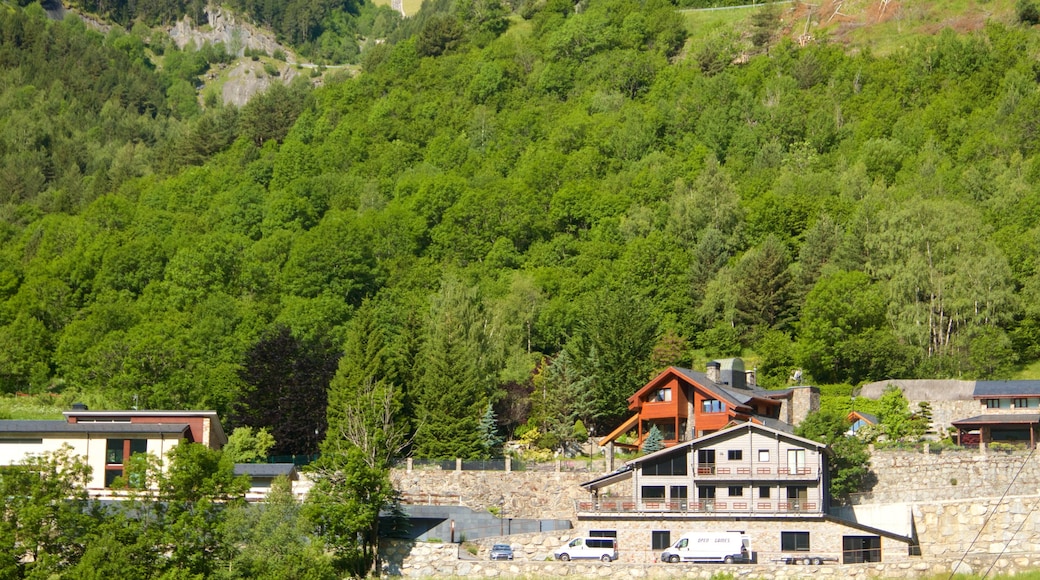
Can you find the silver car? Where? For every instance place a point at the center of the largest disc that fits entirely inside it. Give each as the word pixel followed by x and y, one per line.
pixel 501 552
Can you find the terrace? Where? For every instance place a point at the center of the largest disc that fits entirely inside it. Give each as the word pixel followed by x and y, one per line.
pixel 616 506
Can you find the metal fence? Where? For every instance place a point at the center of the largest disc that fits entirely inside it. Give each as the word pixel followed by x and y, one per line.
pixel 504 464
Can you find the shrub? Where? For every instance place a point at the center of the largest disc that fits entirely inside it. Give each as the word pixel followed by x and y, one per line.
pixel 1027 12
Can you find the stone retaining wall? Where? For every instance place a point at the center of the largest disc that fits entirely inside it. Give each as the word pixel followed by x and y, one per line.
pixel 442 560
pixel 984 504
pixel 515 494
pixel 911 476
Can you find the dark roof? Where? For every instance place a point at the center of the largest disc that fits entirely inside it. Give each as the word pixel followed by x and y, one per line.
pixel 776 424
pixel 266 469
pixel 734 427
pixel 1002 419
pixel 1006 388
pixel 724 393
pixel 624 472
pixel 44 427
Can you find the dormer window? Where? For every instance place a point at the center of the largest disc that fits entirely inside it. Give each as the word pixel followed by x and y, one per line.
pixel 661 396
pixel 712 406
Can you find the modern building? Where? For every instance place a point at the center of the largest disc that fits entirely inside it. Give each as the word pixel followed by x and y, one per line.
pixel 106 440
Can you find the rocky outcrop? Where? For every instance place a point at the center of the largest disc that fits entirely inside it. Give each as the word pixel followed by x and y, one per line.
pixel 223 26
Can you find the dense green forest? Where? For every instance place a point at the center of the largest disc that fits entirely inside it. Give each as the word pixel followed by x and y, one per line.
pixel 514 212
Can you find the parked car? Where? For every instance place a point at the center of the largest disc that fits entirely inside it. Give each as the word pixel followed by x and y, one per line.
pixel 501 552
pixel 588 548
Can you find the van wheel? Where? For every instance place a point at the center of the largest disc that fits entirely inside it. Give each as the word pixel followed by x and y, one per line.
pixel 728 560
pixel 605 558
pixel 806 561
pixel 674 559
pixel 565 557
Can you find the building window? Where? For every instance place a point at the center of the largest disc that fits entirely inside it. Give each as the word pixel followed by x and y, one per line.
pixel 117 451
pixel 114 452
pixel 671 464
pixel 736 491
pixel 859 549
pixel 661 396
pixel 794 541
pixel 763 492
pixel 796 460
pixel 602 533
pixel 712 406
pixel 138 446
pixel 735 454
pixel 652 492
pixel 678 492
pixel 1026 403
pixel 763 456
pixel 997 403
pixel 660 539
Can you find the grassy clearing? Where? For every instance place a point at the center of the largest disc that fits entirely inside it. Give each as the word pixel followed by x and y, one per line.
pixel 861 24
pixel 33 407
pixel 1031 371
pixel 411 7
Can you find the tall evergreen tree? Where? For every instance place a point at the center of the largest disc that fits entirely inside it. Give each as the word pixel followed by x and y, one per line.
pixel 365 403
pixel 456 377
pixel 614 343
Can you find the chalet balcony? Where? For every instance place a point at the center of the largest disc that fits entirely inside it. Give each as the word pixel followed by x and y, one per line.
pixel 728 506
pixel 715 471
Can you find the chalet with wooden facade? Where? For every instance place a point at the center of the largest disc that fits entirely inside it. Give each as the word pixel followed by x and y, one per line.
pixel 684 404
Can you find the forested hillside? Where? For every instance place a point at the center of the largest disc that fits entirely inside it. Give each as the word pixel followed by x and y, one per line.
pixel 516 214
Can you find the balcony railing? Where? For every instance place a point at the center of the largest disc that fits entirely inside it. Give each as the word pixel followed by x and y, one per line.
pixel 727 472
pixel 737 506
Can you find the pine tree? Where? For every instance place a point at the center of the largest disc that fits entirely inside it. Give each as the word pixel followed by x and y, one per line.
pixel 365 403
pixel 454 385
pixel 654 440
pixel 489 432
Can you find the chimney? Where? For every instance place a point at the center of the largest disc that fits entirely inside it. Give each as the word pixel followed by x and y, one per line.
pixel 714 371
pixel 731 373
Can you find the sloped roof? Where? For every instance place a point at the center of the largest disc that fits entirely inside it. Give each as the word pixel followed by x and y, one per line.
pixel 611 478
pixel 1001 419
pixel 1006 389
pixel 44 427
pixel 747 425
pixel 621 430
pixel 854 415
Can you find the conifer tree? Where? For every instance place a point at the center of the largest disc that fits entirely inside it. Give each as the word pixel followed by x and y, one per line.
pixel 455 378
pixel 654 440
pixel 489 432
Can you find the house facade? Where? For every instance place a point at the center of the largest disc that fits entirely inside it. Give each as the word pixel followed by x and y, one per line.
pixel 684 404
pixel 747 477
pixel 745 470
pixel 106 439
pixel 974 412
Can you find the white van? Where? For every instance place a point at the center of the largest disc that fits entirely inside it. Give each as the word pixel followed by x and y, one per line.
pixel 591 548
pixel 728 547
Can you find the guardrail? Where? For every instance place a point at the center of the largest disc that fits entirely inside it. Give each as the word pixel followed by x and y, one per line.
pixel 633 506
